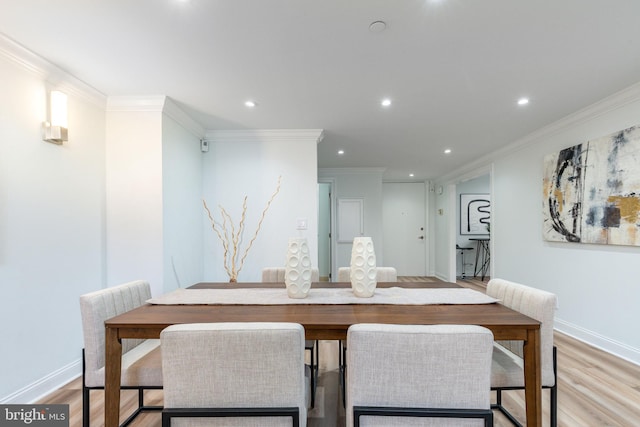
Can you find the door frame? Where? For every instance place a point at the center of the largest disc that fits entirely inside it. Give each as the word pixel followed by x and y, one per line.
pixel 332 227
pixel 452 203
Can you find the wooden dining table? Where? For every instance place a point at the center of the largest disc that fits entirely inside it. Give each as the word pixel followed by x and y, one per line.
pixel 324 322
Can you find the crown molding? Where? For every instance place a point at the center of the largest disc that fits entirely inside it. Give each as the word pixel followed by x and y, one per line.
pixel 155 104
pixel 150 103
pixel 264 135
pixel 326 172
pixel 171 109
pixel 591 112
pixel 55 76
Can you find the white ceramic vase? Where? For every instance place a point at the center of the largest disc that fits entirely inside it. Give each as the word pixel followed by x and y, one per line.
pixel 363 267
pixel 297 275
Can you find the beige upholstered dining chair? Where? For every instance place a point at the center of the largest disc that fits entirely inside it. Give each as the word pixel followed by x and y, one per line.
pixel 398 375
pixel 383 274
pixel 141 362
pixel 276 275
pixel 507 371
pixel 234 374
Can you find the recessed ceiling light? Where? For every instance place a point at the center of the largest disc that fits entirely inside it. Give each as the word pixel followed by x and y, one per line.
pixel 523 101
pixel 250 104
pixel 447 151
pixel 341 152
pixel 411 175
pixel 385 102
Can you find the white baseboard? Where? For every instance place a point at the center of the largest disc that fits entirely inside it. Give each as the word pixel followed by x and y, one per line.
pixel 616 348
pixel 44 386
pixel 441 277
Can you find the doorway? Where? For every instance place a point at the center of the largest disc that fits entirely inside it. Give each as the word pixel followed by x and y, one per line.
pixel 404 227
pixel 324 231
pixel 473 227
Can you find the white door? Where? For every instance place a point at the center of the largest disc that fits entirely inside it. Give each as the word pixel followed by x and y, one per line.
pixel 404 227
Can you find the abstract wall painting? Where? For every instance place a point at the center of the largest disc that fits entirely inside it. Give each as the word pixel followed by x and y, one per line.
pixel 591 191
pixel 475 213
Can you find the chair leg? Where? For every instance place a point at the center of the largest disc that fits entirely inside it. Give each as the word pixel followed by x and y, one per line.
pixel 499 407
pixel 553 396
pixel 314 373
pixel 343 373
pixel 86 393
pixel 166 420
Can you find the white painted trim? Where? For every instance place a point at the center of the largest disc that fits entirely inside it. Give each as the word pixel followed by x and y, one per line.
pixel 156 104
pixel 266 135
pixel 328 172
pixel 332 229
pixel 45 385
pixel 441 277
pixel 604 106
pixel 594 339
pixel 55 76
pixel 151 103
pixel 172 110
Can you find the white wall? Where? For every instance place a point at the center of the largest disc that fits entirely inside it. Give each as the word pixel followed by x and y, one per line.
pixel 182 205
pixel 365 183
pixel 134 193
pixel 248 163
pixel 51 226
pixel 596 284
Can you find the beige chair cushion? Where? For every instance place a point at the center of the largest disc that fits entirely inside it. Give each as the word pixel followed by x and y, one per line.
pixel 422 366
pixel 141 365
pixel 383 274
pixel 507 370
pixel 276 275
pixel 215 365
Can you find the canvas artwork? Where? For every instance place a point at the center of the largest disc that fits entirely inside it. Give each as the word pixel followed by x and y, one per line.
pixel 591 191
pixel 475 213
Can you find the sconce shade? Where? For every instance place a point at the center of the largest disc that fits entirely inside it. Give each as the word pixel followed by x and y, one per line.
pixel 55 130
pixel 58 109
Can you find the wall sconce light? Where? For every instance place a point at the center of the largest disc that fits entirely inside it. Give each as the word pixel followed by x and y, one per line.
pixel 55 130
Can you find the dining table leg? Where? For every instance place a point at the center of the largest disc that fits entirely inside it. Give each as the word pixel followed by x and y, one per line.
pixel 113 362
pixel 532 378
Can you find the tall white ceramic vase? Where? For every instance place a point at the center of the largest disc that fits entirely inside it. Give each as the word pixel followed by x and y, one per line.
pixel 297 275
pixel 363 267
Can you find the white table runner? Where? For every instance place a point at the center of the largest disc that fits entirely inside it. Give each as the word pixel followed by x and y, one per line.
pixel 271 296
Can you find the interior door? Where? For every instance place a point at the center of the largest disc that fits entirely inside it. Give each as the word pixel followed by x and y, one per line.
pixel 404 227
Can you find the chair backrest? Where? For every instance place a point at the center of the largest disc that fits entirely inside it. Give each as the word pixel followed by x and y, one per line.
pixel 418 366
pixel 537 304
pixel 231 365
pixel 276 275
pixel 383 274
pixel 98 306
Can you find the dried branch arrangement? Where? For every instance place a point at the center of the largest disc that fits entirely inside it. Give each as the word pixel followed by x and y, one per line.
pixel 231 236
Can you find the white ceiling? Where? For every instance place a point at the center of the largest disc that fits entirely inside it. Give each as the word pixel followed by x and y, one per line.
pixel 454 69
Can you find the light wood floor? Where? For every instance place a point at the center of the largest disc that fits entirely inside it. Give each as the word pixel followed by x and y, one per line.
pixel 594 389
